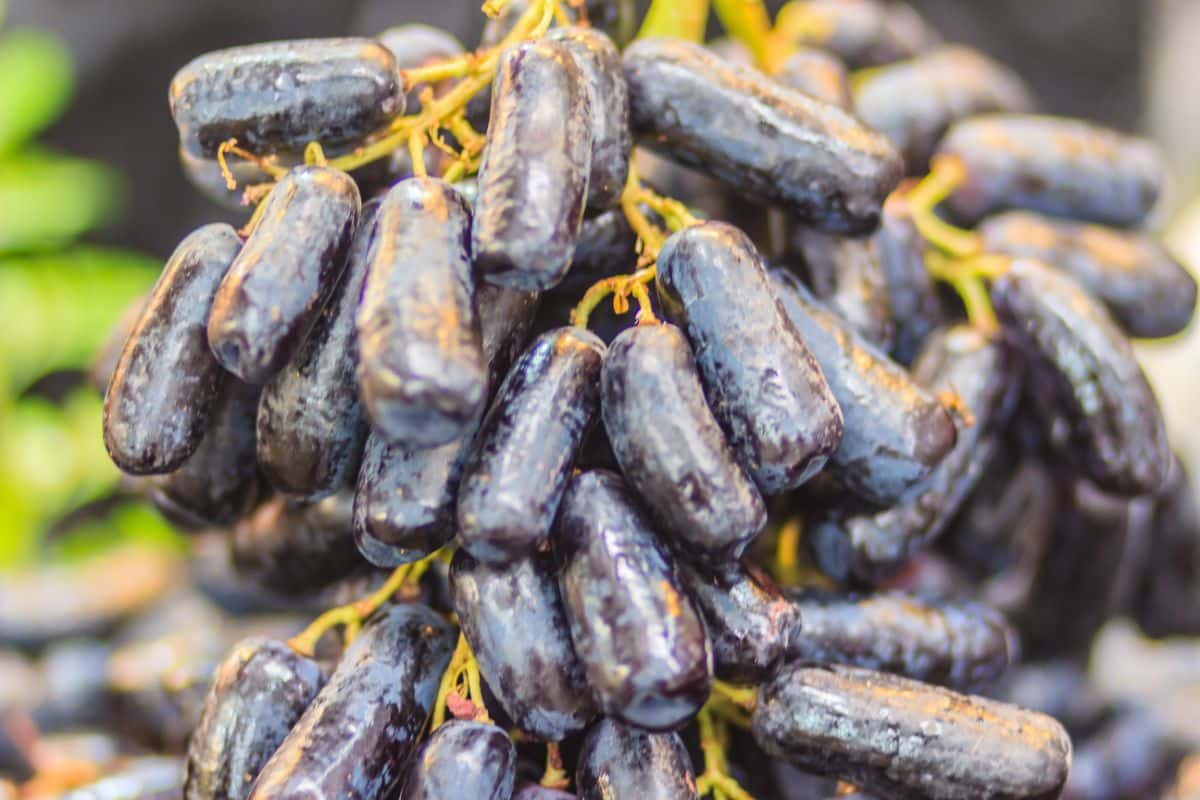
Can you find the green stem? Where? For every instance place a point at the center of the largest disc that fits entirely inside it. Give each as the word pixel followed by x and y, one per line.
pixel 676 19
pixel 748 22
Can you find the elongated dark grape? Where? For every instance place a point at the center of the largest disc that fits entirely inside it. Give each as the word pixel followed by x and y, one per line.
pixel 219 482
pixel 1127 757
pixel 872 545
pixel 521 461
pixel 260 690
pixel 611 138
pixel 161 394
pixel 671 448
pixel 914 102
pixel 311 426
pixel 959 645
pixel 909 740
pixel 912 297
pixel 749 619
pixel 1167 595
pixel 357 735
pixel 762 381
pixel 849 277
pixel 283 95
pixel 1086 378
pixel 1052 165
pixel 513 618
pixel 896 432
pixel 758 137
pixel 404 503
pixel 278 284
pixel 421 372
pixel 1073 586
pixel 1148 292
pixel 533 181
pixel 292 548
pixel 867 33
pixel 466 760
pixel 104 362
pixel 819 74
pixel 641 641
pixel 618 760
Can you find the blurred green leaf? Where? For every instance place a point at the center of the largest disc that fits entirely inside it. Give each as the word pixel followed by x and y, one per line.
pixel 59 307
pixel 677 19
pixel 132 523
pixel 36 80
pixel 47 201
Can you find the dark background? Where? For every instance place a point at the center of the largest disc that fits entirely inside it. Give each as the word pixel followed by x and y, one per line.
pixel 1082 56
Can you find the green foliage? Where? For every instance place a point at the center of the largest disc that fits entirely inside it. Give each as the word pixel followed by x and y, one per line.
pixel 35 85
pixel 59 300
pixel 679 19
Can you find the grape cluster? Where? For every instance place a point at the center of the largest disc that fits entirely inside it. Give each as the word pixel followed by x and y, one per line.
pixel 847 462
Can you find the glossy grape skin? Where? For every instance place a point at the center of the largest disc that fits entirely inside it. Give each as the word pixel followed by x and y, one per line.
pixel 749 619
pixel 641 641
pixel 909 740
pixel 283 95
pixel 758 137
pixel 279 282
pixel 296 548
pixel 161 393
pixel 404 504
pixel 521 460
pixel 260 690
pixel 671 448
pixel 760 378
pixel 912 297
pixel 1166 599
pixel 819 74
pixel 311 426
pixel 219 482
pixel 1149 293
pixel 872 545
pixel 612 141
pixel 357 735
pixel 533 180
pixel 896 432
pixel 618 760
pixel 957 645
pixel 914 102
pixel 1055 166
pixel 513 618
pixel 465 760
pixel 1086 378
pixel 848 276
pixel 421 371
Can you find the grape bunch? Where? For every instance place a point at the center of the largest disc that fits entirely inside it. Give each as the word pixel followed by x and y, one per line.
pixel 750 420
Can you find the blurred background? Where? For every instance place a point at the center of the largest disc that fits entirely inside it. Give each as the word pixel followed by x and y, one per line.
pixel 92 200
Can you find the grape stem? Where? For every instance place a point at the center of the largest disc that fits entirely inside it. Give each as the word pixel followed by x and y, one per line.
pixel 787 550
pixel 650 238
pixel 716 780
pixel 460 682
pixel 352 615
pixel 675 19
pixel 748 22
pixel 555 776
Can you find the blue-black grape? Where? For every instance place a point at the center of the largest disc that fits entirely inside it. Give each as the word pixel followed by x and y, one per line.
pixel 162 390
pixel 279 282
pixel 521 460
pixel 513 618
pixel 421 372
pixel 283 95
pixel 642 643
pixel 671 448
pixel 758 137
pixel 463 760
pixel 762 381
pixel 619 760
pixel 537 159
pixel 260 690
pixel 359 732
